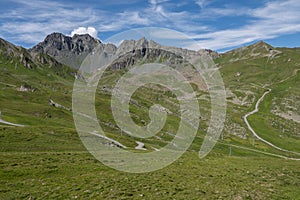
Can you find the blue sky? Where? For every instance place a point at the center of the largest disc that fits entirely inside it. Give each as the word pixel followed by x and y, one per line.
pixel 215 24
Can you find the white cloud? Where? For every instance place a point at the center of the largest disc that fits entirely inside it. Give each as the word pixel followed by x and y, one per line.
pixel 225 12
pixel 270 21
pixel 202 3
pixel 133 17
pixel 82 30
pixel 30 21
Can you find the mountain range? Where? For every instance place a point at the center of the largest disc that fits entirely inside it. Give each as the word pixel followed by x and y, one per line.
pixel 72 51
pixel 40 148
pixel 258 64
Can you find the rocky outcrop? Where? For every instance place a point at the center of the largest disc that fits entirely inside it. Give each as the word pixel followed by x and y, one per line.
pixel 26 88
pixel 70 51
pixel 57 105
pixel 21 57
pixel 16 54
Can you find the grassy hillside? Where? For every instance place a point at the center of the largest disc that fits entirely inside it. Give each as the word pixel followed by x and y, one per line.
pixel 26 89
pixel 248 72
pixel 46 159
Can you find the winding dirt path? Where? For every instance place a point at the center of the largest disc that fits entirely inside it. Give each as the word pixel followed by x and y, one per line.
pixel 256 135
pixel 140 146
pixel 9 123
pixel 108 139
pixel 294 74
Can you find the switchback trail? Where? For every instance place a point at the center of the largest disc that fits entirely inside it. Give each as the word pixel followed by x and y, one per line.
pixel 256 135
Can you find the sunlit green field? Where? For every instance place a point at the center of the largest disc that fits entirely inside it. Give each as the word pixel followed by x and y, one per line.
pixel 46 159
pixel 43 164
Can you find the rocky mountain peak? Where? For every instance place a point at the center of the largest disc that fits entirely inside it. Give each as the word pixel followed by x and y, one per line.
pixel 68 50
pixel 261 45
pixel 55 36
pixel 126 46
pixel 142 43
pixel 131 45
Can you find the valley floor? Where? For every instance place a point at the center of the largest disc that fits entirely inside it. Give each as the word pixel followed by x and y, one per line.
pixel 77 175
pixel 52 164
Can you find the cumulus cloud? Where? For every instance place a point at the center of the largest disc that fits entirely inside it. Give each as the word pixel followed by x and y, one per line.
pixel 82 30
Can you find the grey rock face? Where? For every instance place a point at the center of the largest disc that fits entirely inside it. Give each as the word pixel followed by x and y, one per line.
pixel 70 51
pixel 16 54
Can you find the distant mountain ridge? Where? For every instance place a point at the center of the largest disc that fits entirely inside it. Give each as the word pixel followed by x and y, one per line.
pixel 72 51
pixel 58 49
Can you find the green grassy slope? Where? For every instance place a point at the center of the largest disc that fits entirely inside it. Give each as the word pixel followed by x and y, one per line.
pixel 46 159
pixel 77 175
pixel 248 72
pixel 43 81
